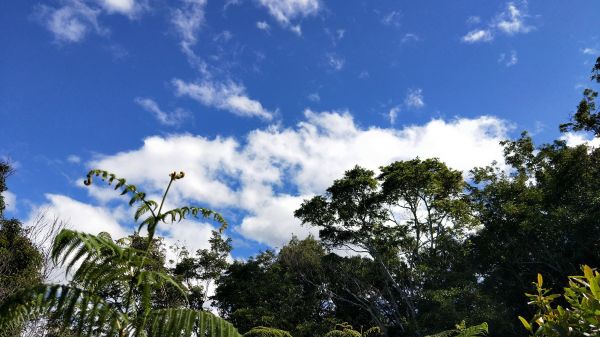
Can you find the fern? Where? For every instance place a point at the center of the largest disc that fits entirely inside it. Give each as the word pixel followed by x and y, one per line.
pixel 463 331
pixel 97 263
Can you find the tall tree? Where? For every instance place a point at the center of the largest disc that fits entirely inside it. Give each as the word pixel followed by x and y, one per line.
pixel 403 218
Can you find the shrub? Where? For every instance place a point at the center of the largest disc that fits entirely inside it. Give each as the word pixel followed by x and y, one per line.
pixel 261 331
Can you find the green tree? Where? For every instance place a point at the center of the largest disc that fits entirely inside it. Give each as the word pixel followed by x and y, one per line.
pixel 587 116
pixel 406 219
pixel 98 263
pixel 20 260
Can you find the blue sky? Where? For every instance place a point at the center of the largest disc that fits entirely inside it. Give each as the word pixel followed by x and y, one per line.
pixel 264 102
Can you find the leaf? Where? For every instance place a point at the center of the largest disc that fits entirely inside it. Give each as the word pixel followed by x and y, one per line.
pixel 525 323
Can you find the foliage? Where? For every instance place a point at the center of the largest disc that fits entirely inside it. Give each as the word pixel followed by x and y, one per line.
pixel 462 330
pixel 343 330
pixel 407 220
pixel 587 117
pixel 111 292
pixel 261 331
pixel 20 260
pixel 580 315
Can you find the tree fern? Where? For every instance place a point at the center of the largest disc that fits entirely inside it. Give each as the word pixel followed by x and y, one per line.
pixel 99 266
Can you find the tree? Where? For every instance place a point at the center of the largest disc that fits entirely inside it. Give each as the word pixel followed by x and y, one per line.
pixel 404 219
pixel 20 260
pixel 587 117
pixel 101 266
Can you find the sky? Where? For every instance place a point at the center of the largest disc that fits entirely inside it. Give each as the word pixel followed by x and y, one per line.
pixel 263 103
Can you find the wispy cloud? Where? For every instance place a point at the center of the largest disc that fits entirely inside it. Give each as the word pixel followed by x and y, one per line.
pixel 392 18
pixel 227 96
pixel 74 20
pixel 187 20
pixel 174 118
pixel 414 98
pixel 314 97
pixel 510 21
pixel 334 61
pixel 71 22
pixel 590 51
pixel 410 37
pixel 508 59
pixel 393 114
pixel 285 11
pixel 478 35
pixel 263 25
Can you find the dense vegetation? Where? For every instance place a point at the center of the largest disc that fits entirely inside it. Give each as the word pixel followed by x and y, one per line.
pixel 412 250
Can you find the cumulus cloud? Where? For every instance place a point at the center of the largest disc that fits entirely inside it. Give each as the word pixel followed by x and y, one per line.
pixel 265 176
pixel 508 59
pixel 414 98
pixel 393 114
pixel 478 35
pixel 174 118
pixel 227 96
pixel 579 138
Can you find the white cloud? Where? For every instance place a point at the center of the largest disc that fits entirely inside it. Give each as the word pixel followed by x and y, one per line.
pixel 478 35
pixel 473 20
pixel 512 20
pixel 174 118
pixel 414 98
pixel 187 20
pixel 74 159
pixel 286 10
pixel 590 51
pixel 263 25
pixel 81 216
pixel 509 59
pixel 227 96
pixel 297 29
pixel 10 201
pixel 393 114
pixel 314 97
pixel 334 61
pixel 254 177
pixel 392 18
pixel 410 37
pixel 125 7
pixel 71 22
pixel 578 138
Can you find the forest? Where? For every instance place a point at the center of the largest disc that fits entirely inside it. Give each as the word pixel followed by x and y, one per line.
pixel 414 249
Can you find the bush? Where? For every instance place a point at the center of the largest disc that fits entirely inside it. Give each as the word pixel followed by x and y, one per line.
pixel 261 331
pixel 343 330
pixel 578 318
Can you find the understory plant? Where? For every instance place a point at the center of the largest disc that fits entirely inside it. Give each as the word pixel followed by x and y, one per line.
pixel 112 283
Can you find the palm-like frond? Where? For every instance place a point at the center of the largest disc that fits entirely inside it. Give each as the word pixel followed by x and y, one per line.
pixel 100 266
pixel 86 312
pixel 187 322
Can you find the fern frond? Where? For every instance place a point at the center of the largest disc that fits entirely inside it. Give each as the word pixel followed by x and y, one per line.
pixel 178 214
pixel 480 330
pixel 187 322
pixel 121 183
pixel 77 307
